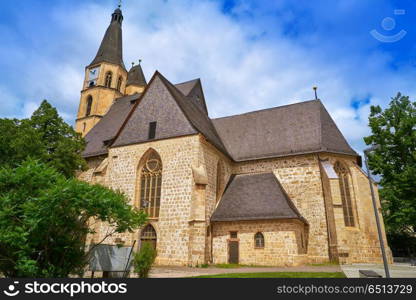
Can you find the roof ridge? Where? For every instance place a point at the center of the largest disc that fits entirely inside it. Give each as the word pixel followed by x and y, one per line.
pixel 188 81
pixel 267 109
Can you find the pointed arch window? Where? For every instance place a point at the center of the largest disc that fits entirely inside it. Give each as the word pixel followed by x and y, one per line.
pixel 344 187
pixel 259 240
pixel 108 79
pixel 151 184
pixel 119 83
pixel 89 106
pixel 149 236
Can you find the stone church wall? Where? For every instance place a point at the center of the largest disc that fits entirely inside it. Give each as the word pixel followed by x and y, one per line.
pixel 357 244
pixel 172 228
pixel 184 234
pixel 300 177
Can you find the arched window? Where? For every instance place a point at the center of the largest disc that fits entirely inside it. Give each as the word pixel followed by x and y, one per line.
pixel 89 105
pixel 149 236
pixel 220 179
pixel 151 184
pixel 108 79
pixel 259 240
pixel 344 187
pixel 119 82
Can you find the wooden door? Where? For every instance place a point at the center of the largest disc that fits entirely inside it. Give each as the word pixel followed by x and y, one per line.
pixel 233 252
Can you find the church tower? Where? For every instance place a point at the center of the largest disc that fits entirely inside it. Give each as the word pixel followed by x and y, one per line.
pixel 136 81
pixel 105 77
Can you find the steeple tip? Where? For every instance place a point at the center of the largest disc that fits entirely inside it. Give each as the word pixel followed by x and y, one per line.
pixel 111 48
pixel 117 15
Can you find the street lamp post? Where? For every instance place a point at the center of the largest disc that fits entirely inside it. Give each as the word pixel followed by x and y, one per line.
pixel 380 235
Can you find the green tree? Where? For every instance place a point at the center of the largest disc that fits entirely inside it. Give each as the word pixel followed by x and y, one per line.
pixel 394 130
pixel 45 218
pixel 46 137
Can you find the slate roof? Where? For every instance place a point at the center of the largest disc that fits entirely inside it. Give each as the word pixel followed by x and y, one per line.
pixel 187 86
pixel 299 128
pixel 192 89
pixel 136 76
pixel 106 129
pixel 111 48
pixel 255 197
pixel 195 115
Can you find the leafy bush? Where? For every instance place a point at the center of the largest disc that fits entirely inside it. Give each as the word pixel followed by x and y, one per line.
pixel 144 259
pixel 44 220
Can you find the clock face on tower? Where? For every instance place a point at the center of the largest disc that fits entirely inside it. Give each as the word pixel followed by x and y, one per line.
pixel 93 76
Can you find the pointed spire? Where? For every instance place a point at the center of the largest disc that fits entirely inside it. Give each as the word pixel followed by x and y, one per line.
pixel 111 48
pixel 136 75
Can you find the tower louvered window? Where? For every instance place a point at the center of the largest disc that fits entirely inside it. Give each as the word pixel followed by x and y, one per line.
pixel 344 187
pixel 151 185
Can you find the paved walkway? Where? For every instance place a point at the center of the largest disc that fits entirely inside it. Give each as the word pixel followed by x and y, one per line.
pixel 397 270
pixel 181 272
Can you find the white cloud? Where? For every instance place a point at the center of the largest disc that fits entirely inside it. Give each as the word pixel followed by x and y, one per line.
pixel 241 69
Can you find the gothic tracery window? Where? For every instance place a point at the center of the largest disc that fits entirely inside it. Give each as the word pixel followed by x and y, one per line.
pixel 344 187
pixel 108 79
pixel 151 185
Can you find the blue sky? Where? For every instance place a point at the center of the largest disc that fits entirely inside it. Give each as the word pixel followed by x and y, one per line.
pixel 249 54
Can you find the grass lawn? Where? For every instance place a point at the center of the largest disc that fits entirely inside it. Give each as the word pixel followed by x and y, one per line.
pixel 278 275
pixel 233 266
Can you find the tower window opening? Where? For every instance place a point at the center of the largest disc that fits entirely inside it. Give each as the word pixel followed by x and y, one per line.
pixel 119 82
pixel 108 79
pixel 89 105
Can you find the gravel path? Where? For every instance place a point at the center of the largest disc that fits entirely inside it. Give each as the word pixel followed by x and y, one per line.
pixel 397 270
pixel 181 272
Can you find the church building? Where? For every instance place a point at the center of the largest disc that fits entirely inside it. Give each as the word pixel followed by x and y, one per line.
pixel 274 187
